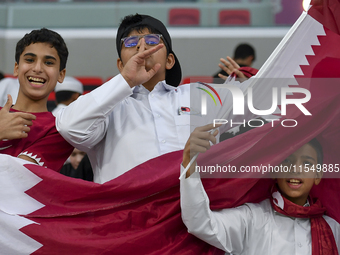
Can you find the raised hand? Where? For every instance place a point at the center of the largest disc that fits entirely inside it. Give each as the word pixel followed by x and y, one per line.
pixel 134 71
pixel 200 140
pixel 14 125
pixel 230 66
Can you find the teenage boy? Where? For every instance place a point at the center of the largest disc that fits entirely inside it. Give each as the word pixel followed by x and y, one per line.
pixel 27 129
pixel 291 222
pixel 140 113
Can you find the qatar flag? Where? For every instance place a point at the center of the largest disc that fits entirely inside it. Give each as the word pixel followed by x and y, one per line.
pixel 43 212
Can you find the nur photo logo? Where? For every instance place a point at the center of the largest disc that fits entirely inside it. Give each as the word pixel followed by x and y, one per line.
pixel 204 97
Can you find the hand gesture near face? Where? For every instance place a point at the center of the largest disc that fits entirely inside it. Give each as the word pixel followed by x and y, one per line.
pixel 14 125
pixel 134 71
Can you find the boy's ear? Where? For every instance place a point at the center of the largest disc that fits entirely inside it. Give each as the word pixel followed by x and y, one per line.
pixel 62 74
pixel 16 70
pixel 170 61
pixel 120 65
pixel 318 177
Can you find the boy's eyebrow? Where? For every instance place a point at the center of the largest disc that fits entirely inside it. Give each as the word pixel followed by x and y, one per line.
pixel 30 54
pixel 46 57
pixel 50 57
pixel 309 157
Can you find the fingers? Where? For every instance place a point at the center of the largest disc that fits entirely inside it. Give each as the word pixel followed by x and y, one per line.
pixel 203 137
pixel 21 133
pixel 208 127
pixel 28 117
pixel 199 141
pixel 228 65
pixel 15 125
pixel 240 75
pixel 9 103
pixel 144 53
pixel 232 62
pixel 222 76
pixel 26 129
pixel 153 70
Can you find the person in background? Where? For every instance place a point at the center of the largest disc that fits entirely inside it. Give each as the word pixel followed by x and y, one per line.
pixel 67 92
pixel 244 56
pixel 79 166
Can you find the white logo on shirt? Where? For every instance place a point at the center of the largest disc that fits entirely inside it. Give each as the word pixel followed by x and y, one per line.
pixel 4 148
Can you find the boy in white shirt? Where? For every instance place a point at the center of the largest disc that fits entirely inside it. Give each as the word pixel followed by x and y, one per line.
pixel 137 115
pixel 289 223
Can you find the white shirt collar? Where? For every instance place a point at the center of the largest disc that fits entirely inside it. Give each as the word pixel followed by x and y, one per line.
pixel 160 86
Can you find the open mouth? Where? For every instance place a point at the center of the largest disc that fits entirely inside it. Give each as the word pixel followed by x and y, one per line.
pixel 294 182
pixel 36 81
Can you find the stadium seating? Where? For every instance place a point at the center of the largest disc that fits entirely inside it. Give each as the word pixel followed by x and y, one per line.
pixel 234 17
pixel 184 17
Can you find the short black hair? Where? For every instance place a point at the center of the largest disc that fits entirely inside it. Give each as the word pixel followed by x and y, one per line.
pixel 127 25
pixel 318 148
pixel 243 51
pixel 43 35
pixel 62 96
pixel 2 76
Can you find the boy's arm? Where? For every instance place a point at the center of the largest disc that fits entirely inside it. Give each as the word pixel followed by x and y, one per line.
pixel 14 125
pixel 83 123
pixel 225 229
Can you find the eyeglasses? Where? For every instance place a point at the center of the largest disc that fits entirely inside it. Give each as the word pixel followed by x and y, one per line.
pixel 150 39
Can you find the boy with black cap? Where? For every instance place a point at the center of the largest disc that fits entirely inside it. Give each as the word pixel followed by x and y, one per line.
pixel 136 115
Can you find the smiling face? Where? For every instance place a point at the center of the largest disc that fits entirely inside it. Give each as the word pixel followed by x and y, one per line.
pixel 161 56
pixel 38 73
pixel 295 186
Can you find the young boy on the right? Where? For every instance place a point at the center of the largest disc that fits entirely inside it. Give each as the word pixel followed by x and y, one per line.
pixel 291 222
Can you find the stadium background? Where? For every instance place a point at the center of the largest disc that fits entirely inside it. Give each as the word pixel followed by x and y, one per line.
pixel 204 32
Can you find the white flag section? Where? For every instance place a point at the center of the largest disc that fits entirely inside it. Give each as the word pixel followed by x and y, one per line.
pixel 15 180
pixel 296 45
pixel 285 62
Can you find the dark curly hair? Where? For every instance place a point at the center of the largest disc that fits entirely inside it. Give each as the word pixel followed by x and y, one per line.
pixel 43 35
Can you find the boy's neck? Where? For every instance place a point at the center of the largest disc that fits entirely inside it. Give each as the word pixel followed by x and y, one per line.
pixel 150 85
pixel 298 200
pixel 28 105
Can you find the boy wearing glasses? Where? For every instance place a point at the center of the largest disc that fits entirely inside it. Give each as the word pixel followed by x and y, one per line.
pixel 136 115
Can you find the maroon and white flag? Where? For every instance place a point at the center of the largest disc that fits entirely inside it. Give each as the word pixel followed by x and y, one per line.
pixel 43 212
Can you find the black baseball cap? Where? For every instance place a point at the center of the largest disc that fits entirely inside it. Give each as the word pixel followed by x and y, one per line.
pixel 174 75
